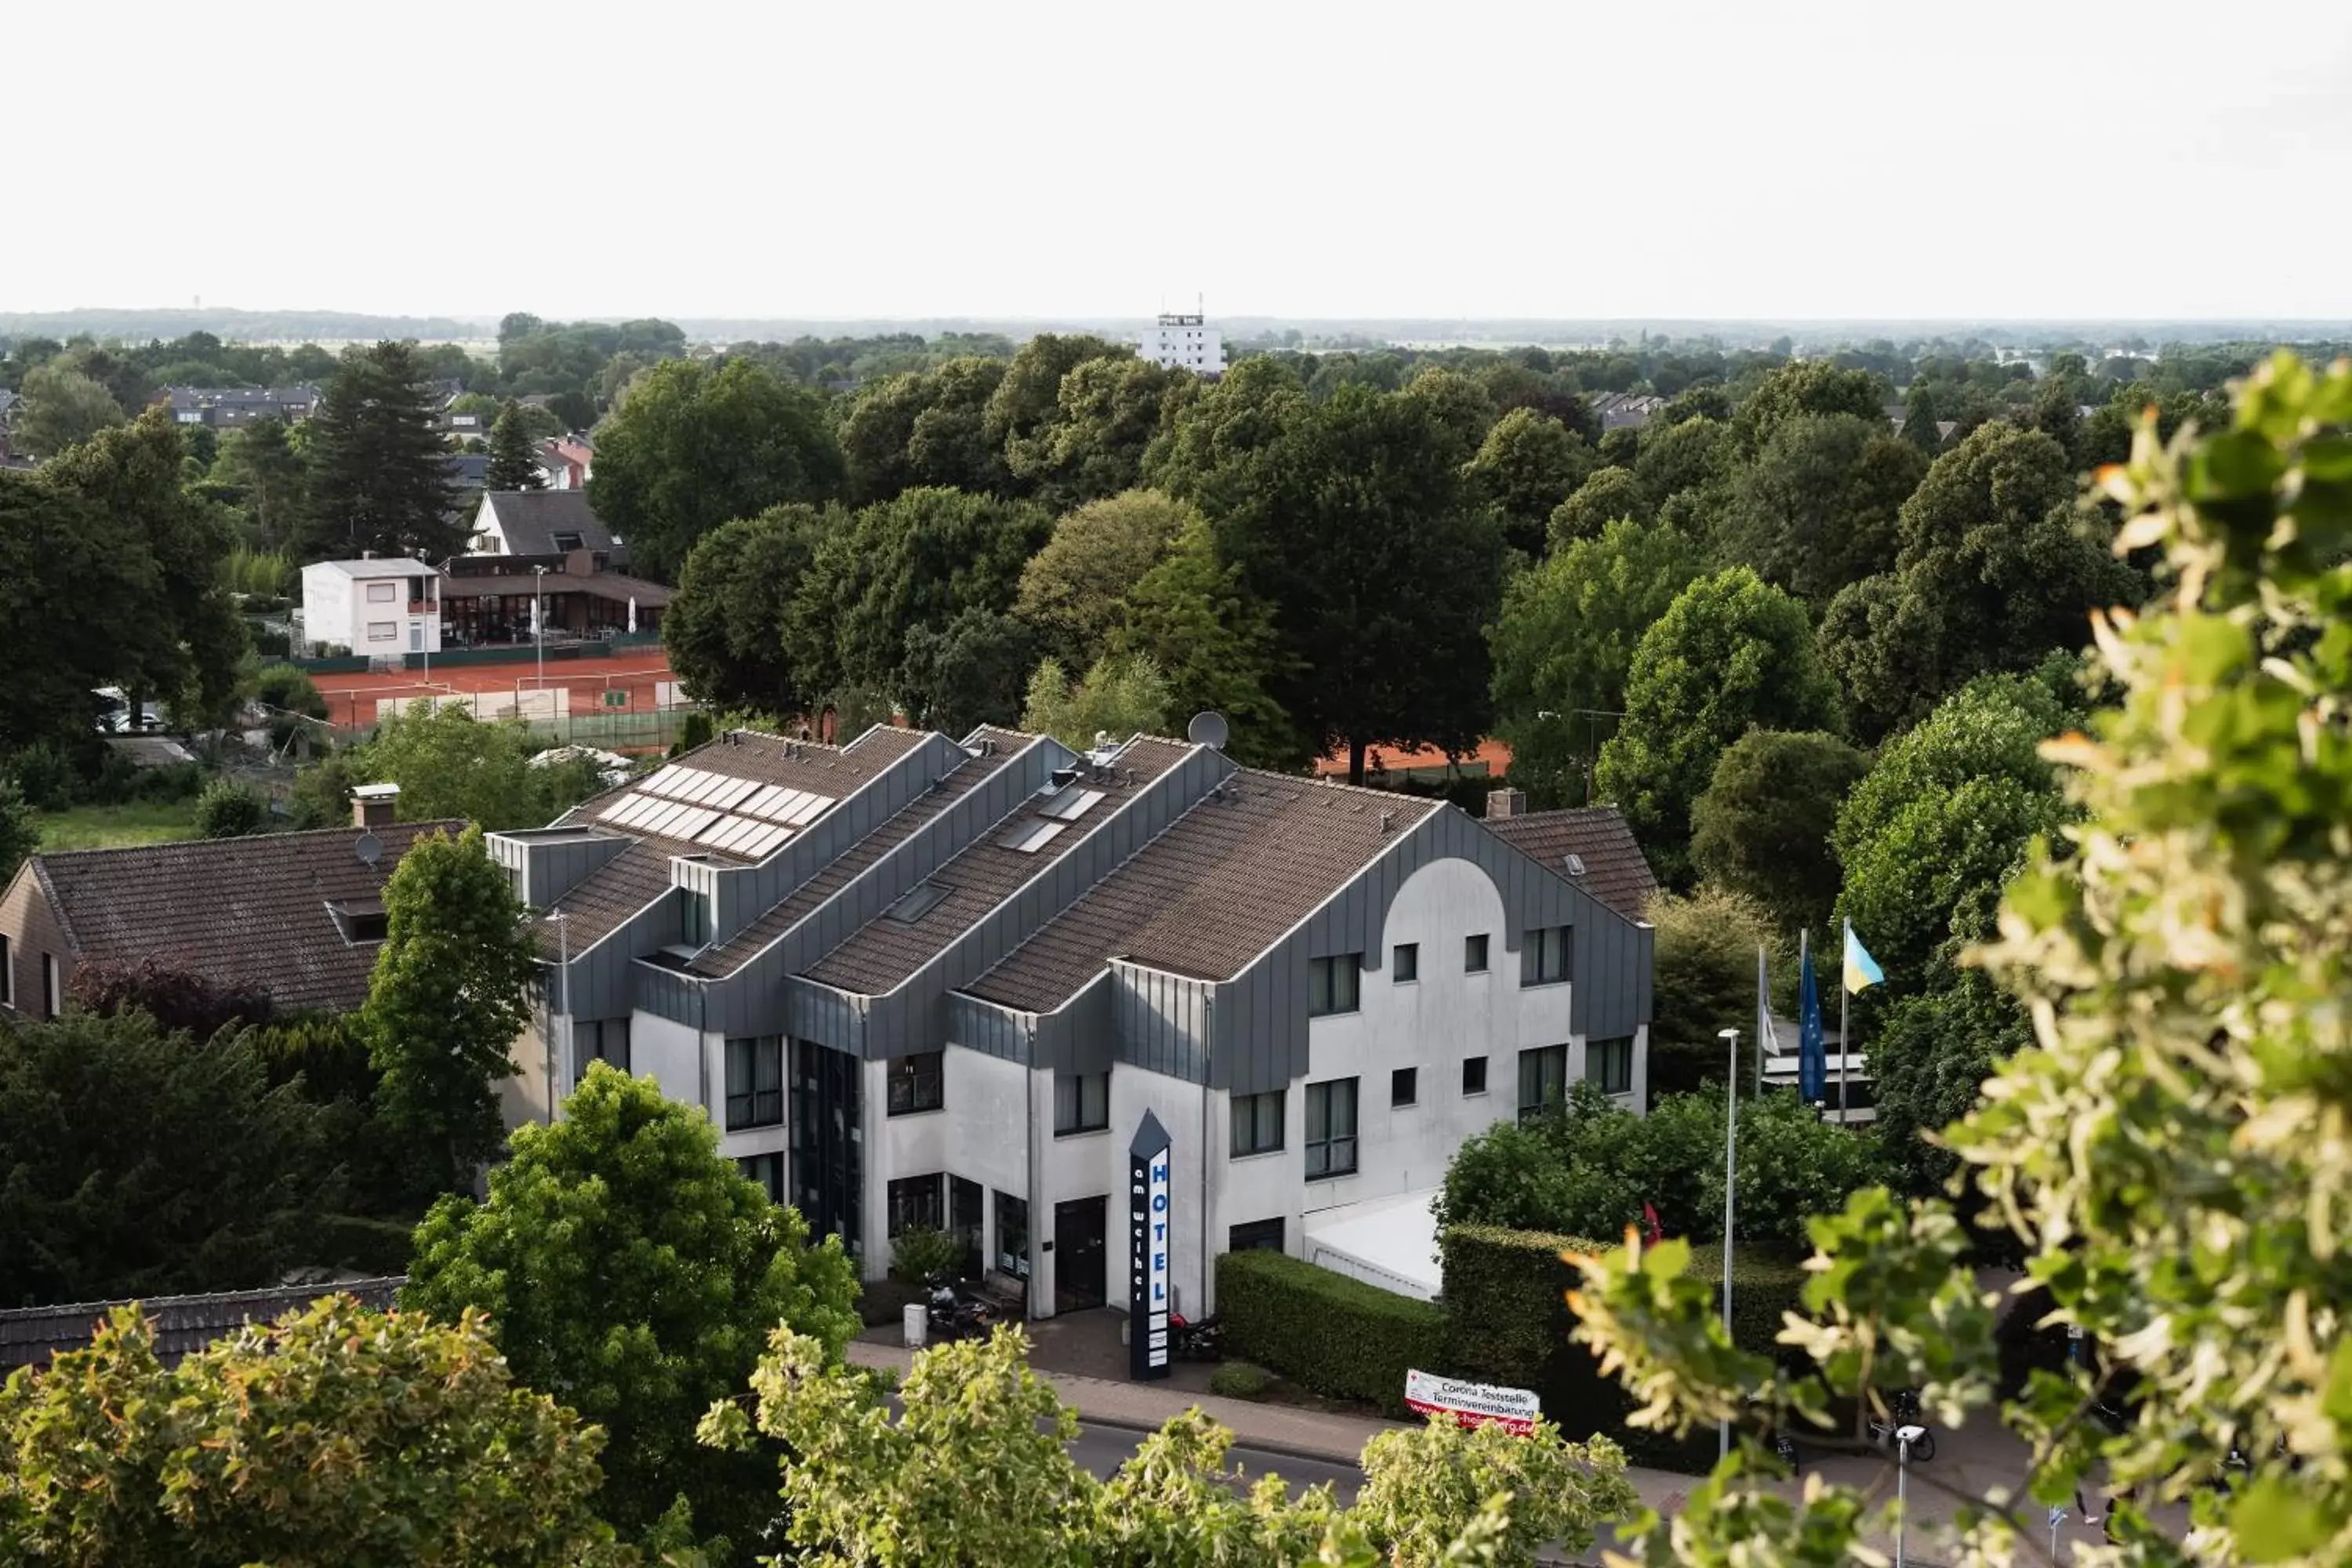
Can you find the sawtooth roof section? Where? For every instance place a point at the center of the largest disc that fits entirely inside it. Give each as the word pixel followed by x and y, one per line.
pixel 844 867
pixel 1615 871
pixel 885 953
pixel 1226 881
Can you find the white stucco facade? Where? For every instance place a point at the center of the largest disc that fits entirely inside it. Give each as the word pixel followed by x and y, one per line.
pixel 1185 342
pixel 372 608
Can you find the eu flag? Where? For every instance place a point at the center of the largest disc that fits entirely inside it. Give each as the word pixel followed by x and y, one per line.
pixel 1813 1064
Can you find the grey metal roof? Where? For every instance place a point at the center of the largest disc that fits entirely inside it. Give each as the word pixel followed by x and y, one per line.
pixel 532 518
pixel 1222 885
pixel 862 853
pixel 884 953
pixel 1615 871
pixel 29 1336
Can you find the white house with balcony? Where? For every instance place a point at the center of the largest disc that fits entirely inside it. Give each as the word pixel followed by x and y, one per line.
pixel 375 608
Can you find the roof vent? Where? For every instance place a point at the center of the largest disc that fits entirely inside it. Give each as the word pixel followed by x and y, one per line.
pixel 1388 820
pixel 1064 777
pixel 1575 865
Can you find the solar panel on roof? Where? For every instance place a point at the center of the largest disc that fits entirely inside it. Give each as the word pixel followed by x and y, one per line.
pixel 781 809
pixel 808 810
pixel 760 802
pixel 764 842
pixel 614 811
pixel 693 820
pixel 664 780
pixel 732 796
pixel 695 785
pixel 739 831
pixel 1032 835
pixel 1070 803
pixel 639 807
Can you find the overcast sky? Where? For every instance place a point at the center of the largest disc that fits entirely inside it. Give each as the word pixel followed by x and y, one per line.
pixel 1610 158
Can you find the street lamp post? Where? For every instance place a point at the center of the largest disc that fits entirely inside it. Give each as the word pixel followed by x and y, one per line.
pixel 1730 1167
pixel 563 968
pixel 538 619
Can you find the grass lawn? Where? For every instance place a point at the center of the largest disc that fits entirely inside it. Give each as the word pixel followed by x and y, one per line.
pixel 109 827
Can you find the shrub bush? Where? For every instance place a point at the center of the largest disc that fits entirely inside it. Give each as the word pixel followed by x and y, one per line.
pixel 1331 1334
pixel 1506 1321
pixel 230 810
pixel 1240 1380
pixel 922 1253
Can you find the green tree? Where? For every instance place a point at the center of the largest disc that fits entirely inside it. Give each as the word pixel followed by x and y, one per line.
pixel 1731 652
pixel 514 457
pixel 1121 695
pixel 185 639
pixel 134 1163
pixel 58 549
pixel 1814 510
pixel 621 1260
pixel 918 559
pixel 1920 423
pixel 1216 645
pixel 1527 465
pixel 1608 495
pixel 725 628
pixel 378 473
pixel 1563 648
pixel 1703 980
pixel 698 444
pixel 1811 386
pixel 1763 827
pixel 1997 568
pixel 447 1000
pixel 1106 413
pixel 1074 590
pixel 969 671
pixel 2159 1150
pixel 20 830
pixel 1028 399
pixel 1933 833
pixel 62 409
pixel 1692 457
pixel 972 1469
pixel 925 428
pixel 450 764
pixel 228 809
pixel 335 1435
pixel 1930 1054
pixel 267 472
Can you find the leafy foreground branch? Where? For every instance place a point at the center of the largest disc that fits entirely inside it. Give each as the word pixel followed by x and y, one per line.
pixel 2175 1151
pixel 975 1470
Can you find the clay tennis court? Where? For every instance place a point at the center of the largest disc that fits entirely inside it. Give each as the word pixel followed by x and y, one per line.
pixel 633 684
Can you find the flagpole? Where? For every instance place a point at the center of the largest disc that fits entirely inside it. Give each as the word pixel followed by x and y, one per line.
pixel 1804 967
pixel 1763 1020
pixel 1845 1030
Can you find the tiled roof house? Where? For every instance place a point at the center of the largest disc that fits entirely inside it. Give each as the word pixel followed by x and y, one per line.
pixel 29 1336
pixel 916 980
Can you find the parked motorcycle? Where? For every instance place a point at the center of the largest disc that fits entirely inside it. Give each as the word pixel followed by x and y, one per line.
pixel 1189 1340
pixel 957 1313
pixel 1902 1415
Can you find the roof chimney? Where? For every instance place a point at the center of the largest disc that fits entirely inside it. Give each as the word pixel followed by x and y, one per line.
pixel 375 805
pixel 1503 803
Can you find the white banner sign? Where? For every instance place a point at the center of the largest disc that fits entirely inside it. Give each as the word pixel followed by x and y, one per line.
pixel 1473 1403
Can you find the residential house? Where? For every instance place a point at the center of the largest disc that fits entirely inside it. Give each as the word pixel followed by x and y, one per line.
pixel 566 462
pixel 233 407
pixel 916 981
pixel 570 594
pixel 183 1325
pixel 388 606
pixel 300 914
pixel 1625 410
pixel 542 522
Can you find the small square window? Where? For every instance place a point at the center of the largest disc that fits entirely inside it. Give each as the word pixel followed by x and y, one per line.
pixel 1609 1065
pixel 1332 984
pixel 1544 959
pixel 1331 1129
pixel 1404 1086
pixel 1081 1102
pixel 1258 1122
pixel 1474 1075
pixel 918 1082
pixel 1257 1236
pixel 1406 966
pixel 1474 955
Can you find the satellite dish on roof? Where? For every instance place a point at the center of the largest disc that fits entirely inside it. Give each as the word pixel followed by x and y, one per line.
pixel 368 847
pixel 1207 729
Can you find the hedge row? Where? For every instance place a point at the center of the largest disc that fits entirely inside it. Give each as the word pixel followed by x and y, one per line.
pixel 1506 1321
pixel 1329 1333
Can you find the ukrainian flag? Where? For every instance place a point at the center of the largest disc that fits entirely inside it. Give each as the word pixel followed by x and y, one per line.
pixel 1862 971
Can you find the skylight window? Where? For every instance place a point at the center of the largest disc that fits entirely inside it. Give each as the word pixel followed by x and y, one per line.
pixel 919 901
pixel 1028 838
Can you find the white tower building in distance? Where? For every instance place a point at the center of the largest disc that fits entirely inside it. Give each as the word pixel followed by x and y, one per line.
pixel 1185 342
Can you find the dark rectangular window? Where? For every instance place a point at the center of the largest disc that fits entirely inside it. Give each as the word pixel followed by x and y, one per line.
pixel 7 973
pixel 1473 1075
pixel 964 1222
pixel 694 918
pixel 1546 956
pixel 602 1040
pixel 1543 1079
pixel 1474 955
pixel 1258 1235
pixel 1013 1235
pixel 755 1082
pixel 1081 1102
pixel 1404 1086
pixel 1609 1065
pixel 1331 1129
pixel 768 1171
pixel 1406 963
pixel 916 1200
pixel 1332 984
pixel 52 986
pixel 1257 1123
pixel 918 1082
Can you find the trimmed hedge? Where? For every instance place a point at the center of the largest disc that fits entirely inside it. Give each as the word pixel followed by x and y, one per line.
pixel 1336 1336
pixel 1508 1322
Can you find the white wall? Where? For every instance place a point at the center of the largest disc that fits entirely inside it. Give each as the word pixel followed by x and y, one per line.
pixel 675 1055
pixel 326 606
pixel 337 609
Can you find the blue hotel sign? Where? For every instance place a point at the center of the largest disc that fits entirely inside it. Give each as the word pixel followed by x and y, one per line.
pixel 1149 1239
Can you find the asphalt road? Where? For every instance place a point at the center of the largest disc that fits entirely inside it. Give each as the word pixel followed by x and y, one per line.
pixel 1102 1449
